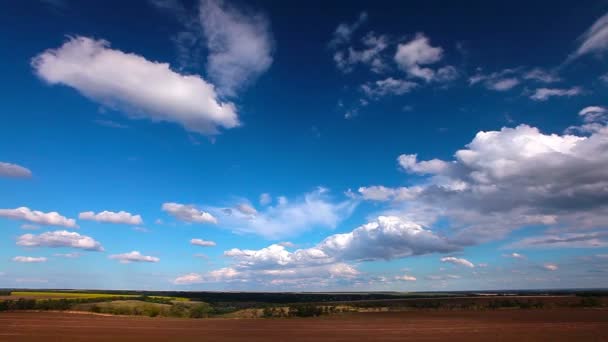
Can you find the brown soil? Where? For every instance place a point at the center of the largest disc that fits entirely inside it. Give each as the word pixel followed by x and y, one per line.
pixel 496 325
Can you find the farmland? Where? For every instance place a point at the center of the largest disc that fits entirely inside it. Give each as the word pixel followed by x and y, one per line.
pixel 522 325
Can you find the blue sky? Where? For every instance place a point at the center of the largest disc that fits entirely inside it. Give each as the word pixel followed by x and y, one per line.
pixel 209 145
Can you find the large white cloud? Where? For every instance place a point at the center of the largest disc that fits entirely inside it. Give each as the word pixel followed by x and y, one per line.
pixel 288 217
pixel 14 171
pixel 239 42
pixel 512 178
pixel 26 214
pixel 382 239
pixel 188 213
pixel 387 237
pixel 121 217
pixel 134 256
pixel 141 88
pixel 59 238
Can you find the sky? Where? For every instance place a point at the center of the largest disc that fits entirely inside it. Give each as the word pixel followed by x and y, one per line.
pixel 310 146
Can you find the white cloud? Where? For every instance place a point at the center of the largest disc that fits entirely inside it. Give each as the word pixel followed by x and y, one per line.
pixel 48 219
pixel 382 239
pixel 504 84
pixel 288 218
pixel 370 54
pixel 543 94
pixel 405 277
pixel 515 177
pixel 388 86
pixel 188 213
pixel 550 267
pixel 592 114
pixel 409 163
pixel 141 88
pixel 67 255
pixel 190 278
pixel 265 199
pixel 133 256
pixel 508 79
pixel 239 42
pixel 246 209
pixel 344 31
pixel 595 39
pixel 286 244
pixel 202 243
pixel 59 238
pixel 568 240
pixel 27 259
pixel 411 57
pixel 540 75
pixel 121 217
pixel 381 193
pixel 458 261
pixel 27 226
pixel 14 171
pixel 514 256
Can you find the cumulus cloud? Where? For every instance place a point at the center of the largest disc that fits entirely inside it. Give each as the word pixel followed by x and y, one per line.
pixel 38 217
pixel 382 239
pixel 135 85
pixel 202 243
pixel 288 218
pixel 458 261
pixel 14 171
pixel 133 256
pixel 239 42
pixel 414 57
pixel 27 259
pixel 59 238
pixel 121 217
pixel 512 178
pixel 409 163
pixel 188 213
pixel 595 39
pixel 543 94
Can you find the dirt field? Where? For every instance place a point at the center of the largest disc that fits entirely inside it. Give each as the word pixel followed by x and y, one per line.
pixel 498 325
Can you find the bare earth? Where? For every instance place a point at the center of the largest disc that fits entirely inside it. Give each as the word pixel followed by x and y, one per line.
pixel 498 325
